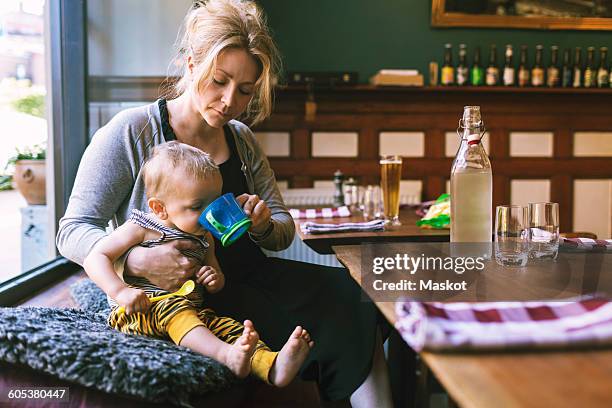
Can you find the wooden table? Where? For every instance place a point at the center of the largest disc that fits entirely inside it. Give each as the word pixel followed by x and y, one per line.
pixel 407 232
pixel 580 378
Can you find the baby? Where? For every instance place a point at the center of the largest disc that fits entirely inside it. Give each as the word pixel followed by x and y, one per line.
pixel 180 182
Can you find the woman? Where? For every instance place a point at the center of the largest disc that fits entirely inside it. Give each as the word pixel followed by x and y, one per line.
pixel 230 65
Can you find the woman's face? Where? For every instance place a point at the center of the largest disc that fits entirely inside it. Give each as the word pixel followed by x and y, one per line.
pixel 231 89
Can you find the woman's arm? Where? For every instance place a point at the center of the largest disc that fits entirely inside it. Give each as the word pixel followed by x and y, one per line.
pixel 104 180
pixel 280 233
pixel 165 266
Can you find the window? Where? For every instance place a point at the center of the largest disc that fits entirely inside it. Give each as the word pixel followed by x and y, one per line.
pixel 42 69
pixel 24 216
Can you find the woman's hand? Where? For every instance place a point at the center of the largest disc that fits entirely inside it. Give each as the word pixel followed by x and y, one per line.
pixel 212 279
pixel 133 300
pixel 257 210
pixel 164 265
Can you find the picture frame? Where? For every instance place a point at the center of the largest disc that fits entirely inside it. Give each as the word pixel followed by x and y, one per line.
pixel 441 17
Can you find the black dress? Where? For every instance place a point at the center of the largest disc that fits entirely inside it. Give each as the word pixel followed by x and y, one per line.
pixel 279 294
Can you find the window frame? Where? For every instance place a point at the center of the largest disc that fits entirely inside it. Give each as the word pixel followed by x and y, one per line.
pixel 67 118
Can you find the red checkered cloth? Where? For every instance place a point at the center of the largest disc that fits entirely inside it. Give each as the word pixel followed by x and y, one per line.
pixel 504 325
pixel 586 244
pixel 320 212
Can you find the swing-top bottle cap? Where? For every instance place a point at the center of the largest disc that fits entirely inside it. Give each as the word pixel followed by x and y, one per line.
pixel 472 121
pixel 471 117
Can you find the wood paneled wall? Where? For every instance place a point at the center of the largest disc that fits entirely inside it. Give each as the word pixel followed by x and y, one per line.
pixel 435 111
pixel 368 111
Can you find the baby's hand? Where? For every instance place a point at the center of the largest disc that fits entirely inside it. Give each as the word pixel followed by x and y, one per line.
pixel 212 279
pixel 133 300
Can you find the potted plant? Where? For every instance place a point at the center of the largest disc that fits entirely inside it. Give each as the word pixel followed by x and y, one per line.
pixel 29 173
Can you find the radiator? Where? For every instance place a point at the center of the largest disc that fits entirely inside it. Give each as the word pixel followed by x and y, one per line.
pixel 298 251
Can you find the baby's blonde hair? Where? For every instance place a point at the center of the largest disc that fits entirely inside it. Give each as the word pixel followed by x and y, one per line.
pixel 212 26
pixel 169 157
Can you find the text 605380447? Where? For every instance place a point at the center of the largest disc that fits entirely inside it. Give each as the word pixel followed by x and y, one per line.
pixel 43 393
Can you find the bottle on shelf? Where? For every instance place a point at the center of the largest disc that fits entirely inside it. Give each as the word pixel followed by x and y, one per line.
pixel 471 183
pixel 508 75
pixel 603 75
pixel 577 83
pixel 553 78
pixel 462 68
pixel 476 73
pixel 433 73
pixel 537 72
pixel 523 72
pixel 590 77
pixel 492 77
pixel 448 72
pixel 566 71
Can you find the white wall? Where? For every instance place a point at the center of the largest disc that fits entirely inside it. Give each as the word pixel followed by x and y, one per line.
pixel 133 37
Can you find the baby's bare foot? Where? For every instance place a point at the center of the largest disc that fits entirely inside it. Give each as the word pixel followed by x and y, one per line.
pixel 238 355
pixel 291 357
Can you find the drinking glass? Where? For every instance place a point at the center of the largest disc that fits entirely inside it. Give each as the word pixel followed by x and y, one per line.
pixel 390 175
pixel 371 203
pixel 511 247
pixel 543 230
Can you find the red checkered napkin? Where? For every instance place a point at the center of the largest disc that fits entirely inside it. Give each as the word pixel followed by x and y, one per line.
pixel 320 212
pixel 504 325
pixel 586 244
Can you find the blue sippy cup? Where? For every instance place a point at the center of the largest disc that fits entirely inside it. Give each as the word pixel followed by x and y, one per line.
pixel 225 219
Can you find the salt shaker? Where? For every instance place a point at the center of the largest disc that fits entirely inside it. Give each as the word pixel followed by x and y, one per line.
pixel 339 191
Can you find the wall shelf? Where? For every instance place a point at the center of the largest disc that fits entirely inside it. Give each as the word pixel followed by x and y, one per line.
pixel 126 89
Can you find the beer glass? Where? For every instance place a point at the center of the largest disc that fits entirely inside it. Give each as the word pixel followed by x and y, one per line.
pixel 390 175
pixel 510 235
pixel 543 230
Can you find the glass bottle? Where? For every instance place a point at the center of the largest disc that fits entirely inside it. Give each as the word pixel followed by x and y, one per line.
pixel 462 68
pixel 471 183
pixel 577 68
pixel 566 72
pixel 523 72
pixel 603 75
pixel 476 73
pixel 553 78
pixel 508 75
pixel 492 70
pixel 537 72
pixel 590 79
pixel 448 72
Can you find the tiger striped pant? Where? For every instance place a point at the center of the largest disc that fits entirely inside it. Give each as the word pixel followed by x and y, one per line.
pixel 174 317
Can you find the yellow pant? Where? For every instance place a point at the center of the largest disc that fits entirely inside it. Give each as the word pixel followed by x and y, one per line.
pixel 174 317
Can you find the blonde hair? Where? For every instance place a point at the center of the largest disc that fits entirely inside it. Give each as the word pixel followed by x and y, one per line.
pixel 212 26
pixel 168 157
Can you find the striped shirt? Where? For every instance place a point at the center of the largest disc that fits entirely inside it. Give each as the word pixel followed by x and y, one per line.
pixel 168 234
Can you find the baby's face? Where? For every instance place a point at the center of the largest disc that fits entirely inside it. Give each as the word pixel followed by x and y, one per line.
pixel 185 205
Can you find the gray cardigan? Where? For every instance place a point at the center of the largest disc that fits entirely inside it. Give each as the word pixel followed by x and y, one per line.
pixel 109 183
